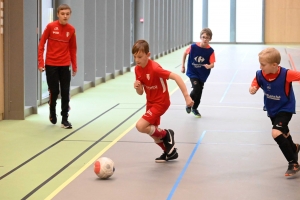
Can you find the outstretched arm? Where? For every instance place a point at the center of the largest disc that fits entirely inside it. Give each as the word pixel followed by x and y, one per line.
pixel 181 85
pixel 183 62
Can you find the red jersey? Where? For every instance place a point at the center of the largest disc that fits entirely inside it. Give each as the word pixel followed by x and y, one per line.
pixel 154 80
pixel 61 46
pixel 212 58
pixel 290 77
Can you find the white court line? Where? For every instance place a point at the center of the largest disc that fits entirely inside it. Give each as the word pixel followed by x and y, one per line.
pixel 216 106
pixel 227 83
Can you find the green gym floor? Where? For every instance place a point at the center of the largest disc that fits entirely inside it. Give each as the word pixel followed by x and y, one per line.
pixel 227 154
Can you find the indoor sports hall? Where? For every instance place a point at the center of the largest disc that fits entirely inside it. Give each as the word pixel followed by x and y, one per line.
pixel 228 153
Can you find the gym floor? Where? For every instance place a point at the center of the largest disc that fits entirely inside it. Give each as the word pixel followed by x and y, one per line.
pixel 229 153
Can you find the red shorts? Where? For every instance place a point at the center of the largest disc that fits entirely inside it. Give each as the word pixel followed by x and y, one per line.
pixel 153 114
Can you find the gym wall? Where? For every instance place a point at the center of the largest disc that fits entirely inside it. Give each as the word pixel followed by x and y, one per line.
pixel 1 64
pixel 105 30
pixel 282 21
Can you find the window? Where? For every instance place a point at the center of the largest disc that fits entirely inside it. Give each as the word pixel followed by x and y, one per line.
pixel 230 20
pixel 197 20
pixel 47 17
pixel 249 20
pixel 219 20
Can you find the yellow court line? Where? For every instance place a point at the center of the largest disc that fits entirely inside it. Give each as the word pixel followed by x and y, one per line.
pixel 290 47
pixel 62 186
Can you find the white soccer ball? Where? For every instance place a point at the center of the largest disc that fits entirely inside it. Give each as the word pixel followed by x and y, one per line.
pixel 104 167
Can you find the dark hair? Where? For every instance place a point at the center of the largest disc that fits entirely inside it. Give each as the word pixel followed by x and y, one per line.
pixel 140 45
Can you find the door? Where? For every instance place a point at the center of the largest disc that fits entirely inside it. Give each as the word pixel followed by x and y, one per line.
pixel 1 63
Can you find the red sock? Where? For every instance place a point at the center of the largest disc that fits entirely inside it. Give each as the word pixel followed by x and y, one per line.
pixel 160 133
pixel 162 146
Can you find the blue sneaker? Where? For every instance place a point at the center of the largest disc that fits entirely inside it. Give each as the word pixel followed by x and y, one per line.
pixel 196 113
pixel 188 110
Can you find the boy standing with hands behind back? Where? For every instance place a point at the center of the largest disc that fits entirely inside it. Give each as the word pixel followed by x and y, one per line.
pixel 280 103
pixel 151 79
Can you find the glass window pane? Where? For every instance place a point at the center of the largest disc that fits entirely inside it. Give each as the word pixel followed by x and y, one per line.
pixel 197 19
pixel 249 20
pixel 219 20
pixel 47 17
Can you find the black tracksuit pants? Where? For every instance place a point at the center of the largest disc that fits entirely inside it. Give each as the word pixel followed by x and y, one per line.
pixel 58 80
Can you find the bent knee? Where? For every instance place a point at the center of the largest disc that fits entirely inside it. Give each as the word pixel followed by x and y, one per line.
pixel 197 87
pixel 276 133
pixel 278 130
pixel 140 127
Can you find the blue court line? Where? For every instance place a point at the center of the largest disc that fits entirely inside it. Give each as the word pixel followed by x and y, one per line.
pixel 185 167
pixel 229 86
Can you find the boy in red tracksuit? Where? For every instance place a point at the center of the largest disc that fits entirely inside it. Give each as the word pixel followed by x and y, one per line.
pixel 151 79
pixel 61 52
pixel 279 101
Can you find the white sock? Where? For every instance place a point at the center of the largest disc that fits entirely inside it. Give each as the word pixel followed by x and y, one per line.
pixel 152 130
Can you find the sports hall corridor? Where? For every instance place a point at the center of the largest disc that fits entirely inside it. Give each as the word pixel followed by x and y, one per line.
pixel 227 154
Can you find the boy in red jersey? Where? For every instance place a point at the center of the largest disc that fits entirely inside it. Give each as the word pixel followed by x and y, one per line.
pixel 151 78
pixel 200 62
pixel 61 52
pixel 279 101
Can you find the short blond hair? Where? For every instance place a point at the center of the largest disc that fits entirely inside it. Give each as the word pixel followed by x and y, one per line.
pixel 63 7
pixel 271 55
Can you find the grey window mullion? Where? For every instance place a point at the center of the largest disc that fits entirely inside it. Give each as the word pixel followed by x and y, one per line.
pixel 204 14
pixel 232 21
pixel 263 21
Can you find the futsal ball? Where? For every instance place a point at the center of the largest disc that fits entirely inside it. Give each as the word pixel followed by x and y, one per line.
pixel 104 167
